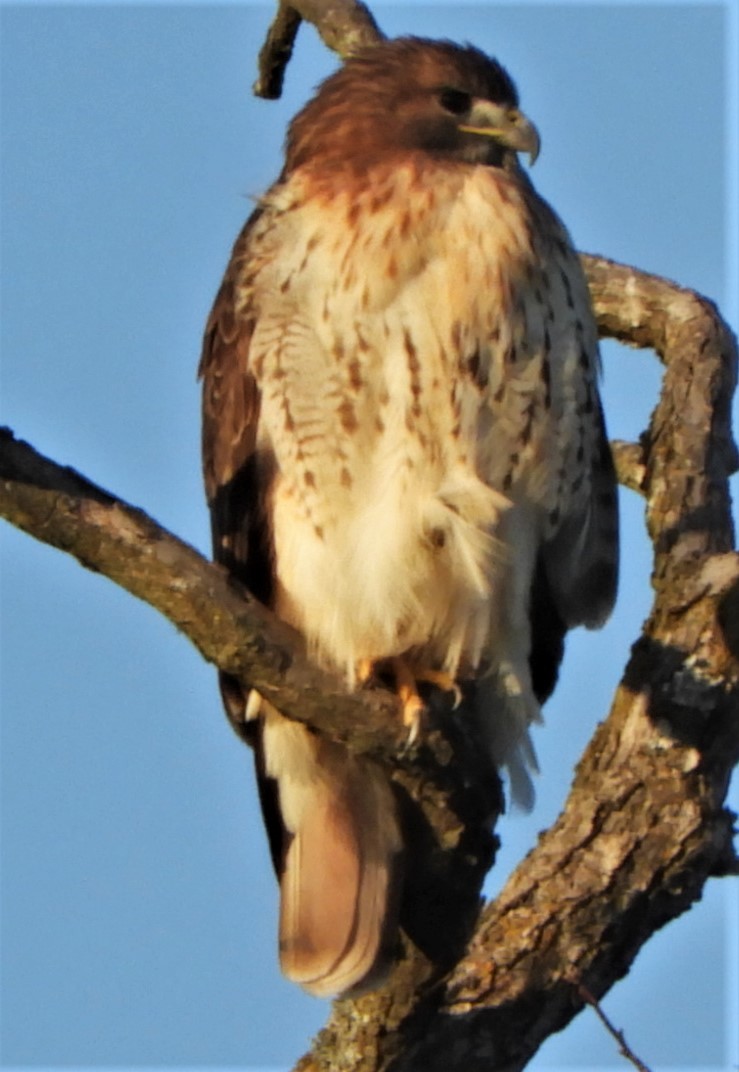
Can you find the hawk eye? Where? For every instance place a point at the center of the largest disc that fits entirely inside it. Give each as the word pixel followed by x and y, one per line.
pixel 455 101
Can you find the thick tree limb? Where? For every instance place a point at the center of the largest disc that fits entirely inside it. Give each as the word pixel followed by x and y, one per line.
pixel 228 626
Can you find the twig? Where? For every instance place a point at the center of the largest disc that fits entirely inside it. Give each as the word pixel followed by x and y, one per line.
pixel 630 463
pixel 276 52
pixel 623 1047
pixel 344 28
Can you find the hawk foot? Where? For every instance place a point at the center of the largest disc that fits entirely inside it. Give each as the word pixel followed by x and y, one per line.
pixel 407 678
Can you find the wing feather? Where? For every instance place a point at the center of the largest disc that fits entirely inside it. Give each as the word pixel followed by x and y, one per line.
pixel 581 561
pixel 237 480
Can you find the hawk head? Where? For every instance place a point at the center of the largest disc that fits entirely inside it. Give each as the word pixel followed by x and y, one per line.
pixel 412 95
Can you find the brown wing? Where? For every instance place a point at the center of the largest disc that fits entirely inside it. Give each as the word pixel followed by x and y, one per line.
pixel 237 481
pixel 237 477
pixel 582 559
pixel 577 571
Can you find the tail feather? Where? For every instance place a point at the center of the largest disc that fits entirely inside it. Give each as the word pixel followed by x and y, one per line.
pixel 340 859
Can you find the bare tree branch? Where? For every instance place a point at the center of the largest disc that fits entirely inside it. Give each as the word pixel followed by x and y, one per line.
pixel 345 27
pixel 644 825
pixel 623 1047
pixel 276 52
pixel 228 626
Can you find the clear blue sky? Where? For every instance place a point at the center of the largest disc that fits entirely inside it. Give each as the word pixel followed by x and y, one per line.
pixel 138 903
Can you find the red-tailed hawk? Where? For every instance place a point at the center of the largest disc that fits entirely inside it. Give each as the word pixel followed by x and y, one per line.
pixel 404 452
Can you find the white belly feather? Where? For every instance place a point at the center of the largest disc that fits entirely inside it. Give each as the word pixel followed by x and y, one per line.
pixel 412 494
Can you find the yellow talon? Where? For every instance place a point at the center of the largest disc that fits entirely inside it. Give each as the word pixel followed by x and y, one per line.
pixel 406 678
pixel 364 670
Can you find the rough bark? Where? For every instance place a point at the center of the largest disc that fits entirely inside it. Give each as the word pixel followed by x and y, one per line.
pixel 645 823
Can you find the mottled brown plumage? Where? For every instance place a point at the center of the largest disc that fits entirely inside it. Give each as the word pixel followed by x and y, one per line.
pixel 404 450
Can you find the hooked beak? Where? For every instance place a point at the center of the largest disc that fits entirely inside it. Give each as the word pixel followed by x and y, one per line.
pixel 506 125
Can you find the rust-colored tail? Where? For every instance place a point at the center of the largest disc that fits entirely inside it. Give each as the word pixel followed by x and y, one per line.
pixel 339 858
